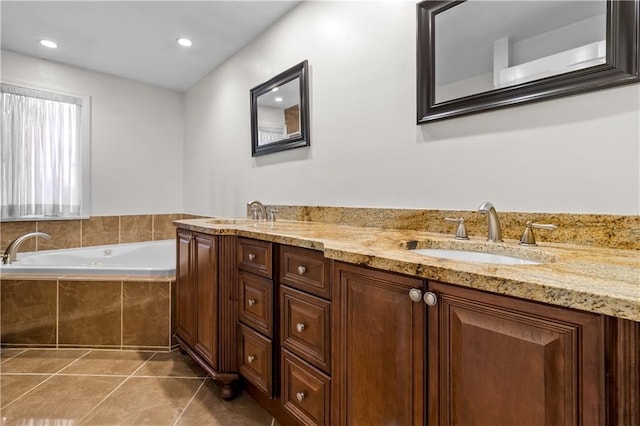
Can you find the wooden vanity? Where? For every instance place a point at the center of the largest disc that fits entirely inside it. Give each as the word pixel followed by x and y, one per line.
pixel 322 335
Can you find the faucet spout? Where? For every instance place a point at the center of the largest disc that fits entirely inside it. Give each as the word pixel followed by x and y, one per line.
pixel 10 252
pixel 256 206
pixel 494 234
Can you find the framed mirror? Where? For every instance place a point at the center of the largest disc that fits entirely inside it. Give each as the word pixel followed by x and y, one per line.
pixel 477 55
pixel 280 112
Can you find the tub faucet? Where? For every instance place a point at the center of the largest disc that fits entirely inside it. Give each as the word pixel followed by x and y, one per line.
pixel 10 252
pixel 494 234
pixel 258 211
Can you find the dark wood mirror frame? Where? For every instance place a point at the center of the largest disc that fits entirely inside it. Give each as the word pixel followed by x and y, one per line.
pixel 298 140
pixel 621 67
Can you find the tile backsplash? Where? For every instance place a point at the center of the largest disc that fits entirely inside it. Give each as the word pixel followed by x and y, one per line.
pixel 95 231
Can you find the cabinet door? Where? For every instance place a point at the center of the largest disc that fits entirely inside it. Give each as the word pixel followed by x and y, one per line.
pixel 206 283
pixel 496 360
pixel 185 292
pixel 378 375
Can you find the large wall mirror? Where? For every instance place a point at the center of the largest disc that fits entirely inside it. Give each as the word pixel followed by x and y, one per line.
pixel 476 55
pixel 280 112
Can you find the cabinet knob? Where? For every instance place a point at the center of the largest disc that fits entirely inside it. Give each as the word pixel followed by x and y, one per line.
pixel 300 327
pixel 415 294
pixel 251 302
pixel 301 270
pixel 250 359
pixel 430 298
pixel 252 256
pixel 300 396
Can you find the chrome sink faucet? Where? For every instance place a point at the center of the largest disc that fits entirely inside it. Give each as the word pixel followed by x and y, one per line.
pixel 258 210
pixel 494 234
pixel 10 252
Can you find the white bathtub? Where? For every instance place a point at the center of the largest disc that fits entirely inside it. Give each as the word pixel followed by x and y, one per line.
pixel 147 258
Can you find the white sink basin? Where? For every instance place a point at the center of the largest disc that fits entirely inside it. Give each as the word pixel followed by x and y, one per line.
pixel 474 256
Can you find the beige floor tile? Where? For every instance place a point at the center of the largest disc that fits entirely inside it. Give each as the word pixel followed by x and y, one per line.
pixel 6 353
pixel 59 400
pixel 170 364
pixel 41 361
pixel 108 362
pixel 145 401
pixel 208 408
pixel 13 386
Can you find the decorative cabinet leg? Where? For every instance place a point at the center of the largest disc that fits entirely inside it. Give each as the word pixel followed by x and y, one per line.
pixel 227 392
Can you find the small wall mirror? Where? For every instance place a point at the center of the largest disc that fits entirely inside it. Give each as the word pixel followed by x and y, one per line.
pixel 476 55
pixel 280 112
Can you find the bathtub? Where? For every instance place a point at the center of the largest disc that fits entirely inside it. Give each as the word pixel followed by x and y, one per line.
pixel 156 258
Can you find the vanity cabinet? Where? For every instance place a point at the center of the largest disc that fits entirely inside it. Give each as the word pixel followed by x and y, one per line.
pixel 496 360
pixel 305 334
pixel 256 306
pixel 379 348
pixel 204 291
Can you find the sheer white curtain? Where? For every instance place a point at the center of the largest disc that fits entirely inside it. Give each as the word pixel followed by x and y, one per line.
pixel 41 154
pixel 268 133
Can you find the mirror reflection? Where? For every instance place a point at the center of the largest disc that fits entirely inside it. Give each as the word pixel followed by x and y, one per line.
pixel 279 113
pixel 480 47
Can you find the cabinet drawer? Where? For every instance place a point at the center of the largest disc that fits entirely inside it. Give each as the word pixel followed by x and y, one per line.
pixel 306 270
pixel 255 256
pixel 255 359
pixel 306 327
pixel 305 391
pixel 255 302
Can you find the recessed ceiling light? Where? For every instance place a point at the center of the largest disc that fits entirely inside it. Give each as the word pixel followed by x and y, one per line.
pixel 275 89
pixel 278 99
pixel 48 43
pixel 185 42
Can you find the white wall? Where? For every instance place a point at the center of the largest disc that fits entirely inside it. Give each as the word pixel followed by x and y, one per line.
pixel 575 155
pixel 137 135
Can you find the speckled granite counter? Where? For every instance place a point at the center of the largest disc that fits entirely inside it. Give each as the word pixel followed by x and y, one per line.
pixel 599 280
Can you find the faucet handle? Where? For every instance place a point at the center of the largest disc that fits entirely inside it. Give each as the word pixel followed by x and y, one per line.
pixel 528 238
pixel 461 230
pixel 271 213
pixel 255 213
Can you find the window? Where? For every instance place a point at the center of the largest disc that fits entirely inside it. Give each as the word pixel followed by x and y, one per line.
pixel 44 155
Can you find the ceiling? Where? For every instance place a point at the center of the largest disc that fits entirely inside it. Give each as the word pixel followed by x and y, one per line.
pixel 137 39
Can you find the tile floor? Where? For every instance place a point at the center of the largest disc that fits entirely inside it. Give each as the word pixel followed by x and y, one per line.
pixel 55 387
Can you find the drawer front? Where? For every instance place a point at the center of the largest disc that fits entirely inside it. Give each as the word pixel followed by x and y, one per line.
pixel 255 256
pixel 305 391
pixel 306 327
pixel 255 359
pixel 255 302
pixel 305 270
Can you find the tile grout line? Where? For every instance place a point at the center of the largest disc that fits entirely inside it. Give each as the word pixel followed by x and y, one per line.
pixel 7 359
pixel 115 389
pixel 45 380
pixel 121 314
pixel 190 400
pixel 57 312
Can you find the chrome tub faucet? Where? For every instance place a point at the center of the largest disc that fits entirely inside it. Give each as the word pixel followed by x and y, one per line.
pixel 10 252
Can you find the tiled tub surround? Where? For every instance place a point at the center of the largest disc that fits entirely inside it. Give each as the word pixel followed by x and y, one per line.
pixel 593 279
pixel 95 231
pixel 95 312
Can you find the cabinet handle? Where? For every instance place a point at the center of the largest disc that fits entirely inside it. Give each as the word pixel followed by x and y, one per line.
pixel 415 294
pixel 250 359
pixel 251 302
pixel 300 327
pixel 300 396
pixel 301 270
pixel 430 298
pixel 252 256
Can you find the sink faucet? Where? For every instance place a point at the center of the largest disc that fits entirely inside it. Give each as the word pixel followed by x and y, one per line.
pixel 494 235
pixel 10 252
pixel 256 206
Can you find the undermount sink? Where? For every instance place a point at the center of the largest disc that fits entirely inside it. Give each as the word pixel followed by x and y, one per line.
pixel 474 256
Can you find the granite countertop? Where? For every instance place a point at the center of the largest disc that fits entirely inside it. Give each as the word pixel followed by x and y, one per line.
pixel 600 280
